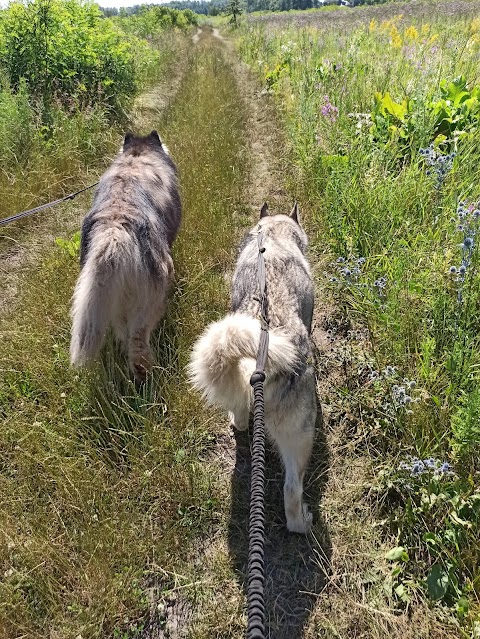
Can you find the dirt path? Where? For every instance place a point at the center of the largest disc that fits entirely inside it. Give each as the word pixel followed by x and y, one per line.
pixel 196 35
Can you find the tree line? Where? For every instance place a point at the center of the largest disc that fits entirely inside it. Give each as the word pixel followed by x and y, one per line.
pixel 215 7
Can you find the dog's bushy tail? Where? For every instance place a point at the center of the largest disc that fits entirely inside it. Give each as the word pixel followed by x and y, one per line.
pixel 224 358
pixel 111 256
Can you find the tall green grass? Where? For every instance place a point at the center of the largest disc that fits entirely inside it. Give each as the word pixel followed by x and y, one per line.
pixel 359 102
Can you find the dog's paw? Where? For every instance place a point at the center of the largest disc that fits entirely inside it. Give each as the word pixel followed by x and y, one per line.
pixel 302 523
pixel 237 422
pixel 141 369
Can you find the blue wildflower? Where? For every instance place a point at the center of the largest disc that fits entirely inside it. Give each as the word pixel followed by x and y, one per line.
pixel 418 467
pixel 389 371
pixel 439 164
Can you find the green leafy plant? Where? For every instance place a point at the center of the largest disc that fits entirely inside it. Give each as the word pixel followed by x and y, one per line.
pixel 66 52
pixel 71 246
pixel 434 514
pixel 390 119
pixel 466 428
pixel 273 76
pixel 458 109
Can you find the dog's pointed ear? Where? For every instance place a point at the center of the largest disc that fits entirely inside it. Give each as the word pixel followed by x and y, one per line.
pixel 155 138
pixel 264 210
pixel 127 139
pixel 294 213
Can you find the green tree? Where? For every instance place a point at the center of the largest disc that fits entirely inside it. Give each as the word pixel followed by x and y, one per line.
pixel 234 8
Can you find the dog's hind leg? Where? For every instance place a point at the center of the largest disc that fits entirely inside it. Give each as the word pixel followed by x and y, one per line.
pixel 140 327
pixel 295 453
pixel 140 354
pixel 294 437
pixel 239 418
pixel 120 327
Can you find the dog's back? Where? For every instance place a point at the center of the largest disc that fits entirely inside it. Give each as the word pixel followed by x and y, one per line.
pixel 125 258
pixel 288 280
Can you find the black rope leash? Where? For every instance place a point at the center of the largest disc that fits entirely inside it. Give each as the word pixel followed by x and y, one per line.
pixel 256 541
pixel 18 216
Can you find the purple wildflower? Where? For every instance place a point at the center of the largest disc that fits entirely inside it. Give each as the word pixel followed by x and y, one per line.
pixel 328 110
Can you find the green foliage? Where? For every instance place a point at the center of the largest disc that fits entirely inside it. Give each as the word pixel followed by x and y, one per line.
pixel 436 516
pixel 71 246
pixel 150 21
pixel 458 109
pixel 391 119
pixel 234 9
pixel 67 79
pixel 466 429
pixel 451 116
pixel 65 51
pixel 273 76
pixel 20 131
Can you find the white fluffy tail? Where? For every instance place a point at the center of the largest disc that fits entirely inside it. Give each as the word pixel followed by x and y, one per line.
pixel 110 256
pixel 224 358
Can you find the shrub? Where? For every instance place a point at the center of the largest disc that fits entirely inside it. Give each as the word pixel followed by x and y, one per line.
pixel 151 21
pixel 67 52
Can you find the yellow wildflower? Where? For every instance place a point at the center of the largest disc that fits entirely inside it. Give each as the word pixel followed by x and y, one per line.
pixel 395 39
pixel 411 34
pixel 425 29
pixel 433 39
pixel 475 25
pixel 373 25
pixel 388 24
pixel 473 41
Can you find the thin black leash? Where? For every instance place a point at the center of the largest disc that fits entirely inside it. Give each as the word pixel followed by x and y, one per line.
pixel 18 216
pixel 256 541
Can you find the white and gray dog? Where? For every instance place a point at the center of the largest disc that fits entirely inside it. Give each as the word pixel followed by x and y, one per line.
pixel 224 357
pixel 125 253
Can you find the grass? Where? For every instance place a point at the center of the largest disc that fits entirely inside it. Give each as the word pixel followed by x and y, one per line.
pixel 358 108
pixel 103 487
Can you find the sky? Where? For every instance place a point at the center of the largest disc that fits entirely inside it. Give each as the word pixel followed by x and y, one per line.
pixel 125 3
pixel 121 3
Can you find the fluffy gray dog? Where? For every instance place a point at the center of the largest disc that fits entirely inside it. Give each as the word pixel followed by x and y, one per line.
pixel 125 257
pixel 224 357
